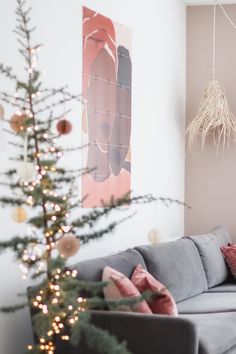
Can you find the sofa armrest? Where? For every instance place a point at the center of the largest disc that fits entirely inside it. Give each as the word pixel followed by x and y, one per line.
pixel 148 334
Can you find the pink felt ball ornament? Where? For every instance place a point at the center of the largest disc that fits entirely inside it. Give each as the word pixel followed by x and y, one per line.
pixel 64 127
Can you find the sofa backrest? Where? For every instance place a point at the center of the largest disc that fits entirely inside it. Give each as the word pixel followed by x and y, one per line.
pixel 208 246
pixel 178 266
pixel 125 262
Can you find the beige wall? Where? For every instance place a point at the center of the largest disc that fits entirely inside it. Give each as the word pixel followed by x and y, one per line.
pixel 210 181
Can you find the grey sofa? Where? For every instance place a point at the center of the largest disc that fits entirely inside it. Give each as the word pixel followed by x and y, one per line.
pixel 194 271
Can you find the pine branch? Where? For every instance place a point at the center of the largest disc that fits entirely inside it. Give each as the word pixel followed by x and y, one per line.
pixel 17 242
pixel 9 173
pixel 95 235
pixel 97 338
pixel 59 102
pixel 11 201
pixel 12 309
pixel 7 71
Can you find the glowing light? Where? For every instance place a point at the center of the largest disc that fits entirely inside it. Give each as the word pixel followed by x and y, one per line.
pixel 65 337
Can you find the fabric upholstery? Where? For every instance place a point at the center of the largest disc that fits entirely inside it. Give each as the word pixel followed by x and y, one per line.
pixel 231 350
pixel 124 262
pixel 119 287
pixel 178 266
pixel 216 332
pixel 144 334
pixel 209 303
pixel 229 253
pixel 223 288
pixel 163 303
pixel 212 259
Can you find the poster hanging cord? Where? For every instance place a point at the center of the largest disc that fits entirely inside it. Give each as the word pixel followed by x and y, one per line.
pixel 227 16
pixel 214 33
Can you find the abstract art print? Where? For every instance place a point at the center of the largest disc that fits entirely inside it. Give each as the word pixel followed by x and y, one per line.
pixel 106 126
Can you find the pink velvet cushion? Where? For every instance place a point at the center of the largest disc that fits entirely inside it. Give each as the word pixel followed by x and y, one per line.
pixel 162 303
pixel 229 253
pixel 121 287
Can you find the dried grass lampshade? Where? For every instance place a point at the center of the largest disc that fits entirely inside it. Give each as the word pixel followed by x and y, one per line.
pixel 213 117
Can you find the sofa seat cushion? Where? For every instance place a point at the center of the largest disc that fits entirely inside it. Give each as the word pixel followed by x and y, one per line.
pixel 209 303
pixel 224 288
pixel 209 247
pixel 216 332
pixel 177 265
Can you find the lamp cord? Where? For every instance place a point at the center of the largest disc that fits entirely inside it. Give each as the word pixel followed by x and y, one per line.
pixel 214 43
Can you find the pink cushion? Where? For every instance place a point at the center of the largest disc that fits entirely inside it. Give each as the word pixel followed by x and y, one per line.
pixel 164 303
pixel 229 253
pixel 119 287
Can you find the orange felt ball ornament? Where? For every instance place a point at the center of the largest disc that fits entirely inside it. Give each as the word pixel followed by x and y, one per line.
pixel 19 215
pixel 64 127
pixel 17 123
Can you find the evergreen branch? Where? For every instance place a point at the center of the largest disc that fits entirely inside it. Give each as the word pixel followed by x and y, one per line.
pixel 17 241
pixel 79 148
pixel 59 103
pixel 95 235
pixel 12 309
pixel 97 338
pixel 11 201
pixel 101 303
pixel 11 98
pixel 9 131
pixel 7 71
pixel 9 173
pixel 92 217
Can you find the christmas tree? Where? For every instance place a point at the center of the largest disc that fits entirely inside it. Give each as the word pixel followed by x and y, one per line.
pixel 41 184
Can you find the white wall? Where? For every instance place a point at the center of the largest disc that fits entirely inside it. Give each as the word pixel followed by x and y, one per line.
pixel 158 120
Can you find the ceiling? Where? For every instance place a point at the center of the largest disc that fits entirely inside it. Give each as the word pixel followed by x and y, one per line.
pixel 207 2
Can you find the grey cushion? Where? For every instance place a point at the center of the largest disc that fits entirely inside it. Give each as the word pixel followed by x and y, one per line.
pixel 216 332
pixel 124 262
pixel 178 266
pixel 224 288
pixel 209 303
pixel 209 249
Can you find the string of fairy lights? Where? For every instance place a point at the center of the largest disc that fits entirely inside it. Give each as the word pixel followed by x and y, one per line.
pixel 36 183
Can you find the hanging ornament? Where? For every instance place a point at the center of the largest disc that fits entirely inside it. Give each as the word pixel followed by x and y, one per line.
pixel 17 122
pixel 2 112
pixel 64 127
pixel 46 183
pixel 19 214
pixel 68 245
pixel 214 117
pixel 154 236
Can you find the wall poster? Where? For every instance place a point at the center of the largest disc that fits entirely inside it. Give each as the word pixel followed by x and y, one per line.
pixel 107 88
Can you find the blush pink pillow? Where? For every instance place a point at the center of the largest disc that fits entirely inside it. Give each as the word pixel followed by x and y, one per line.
pixel 164 303
pixel 119 287
pixel 229 253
